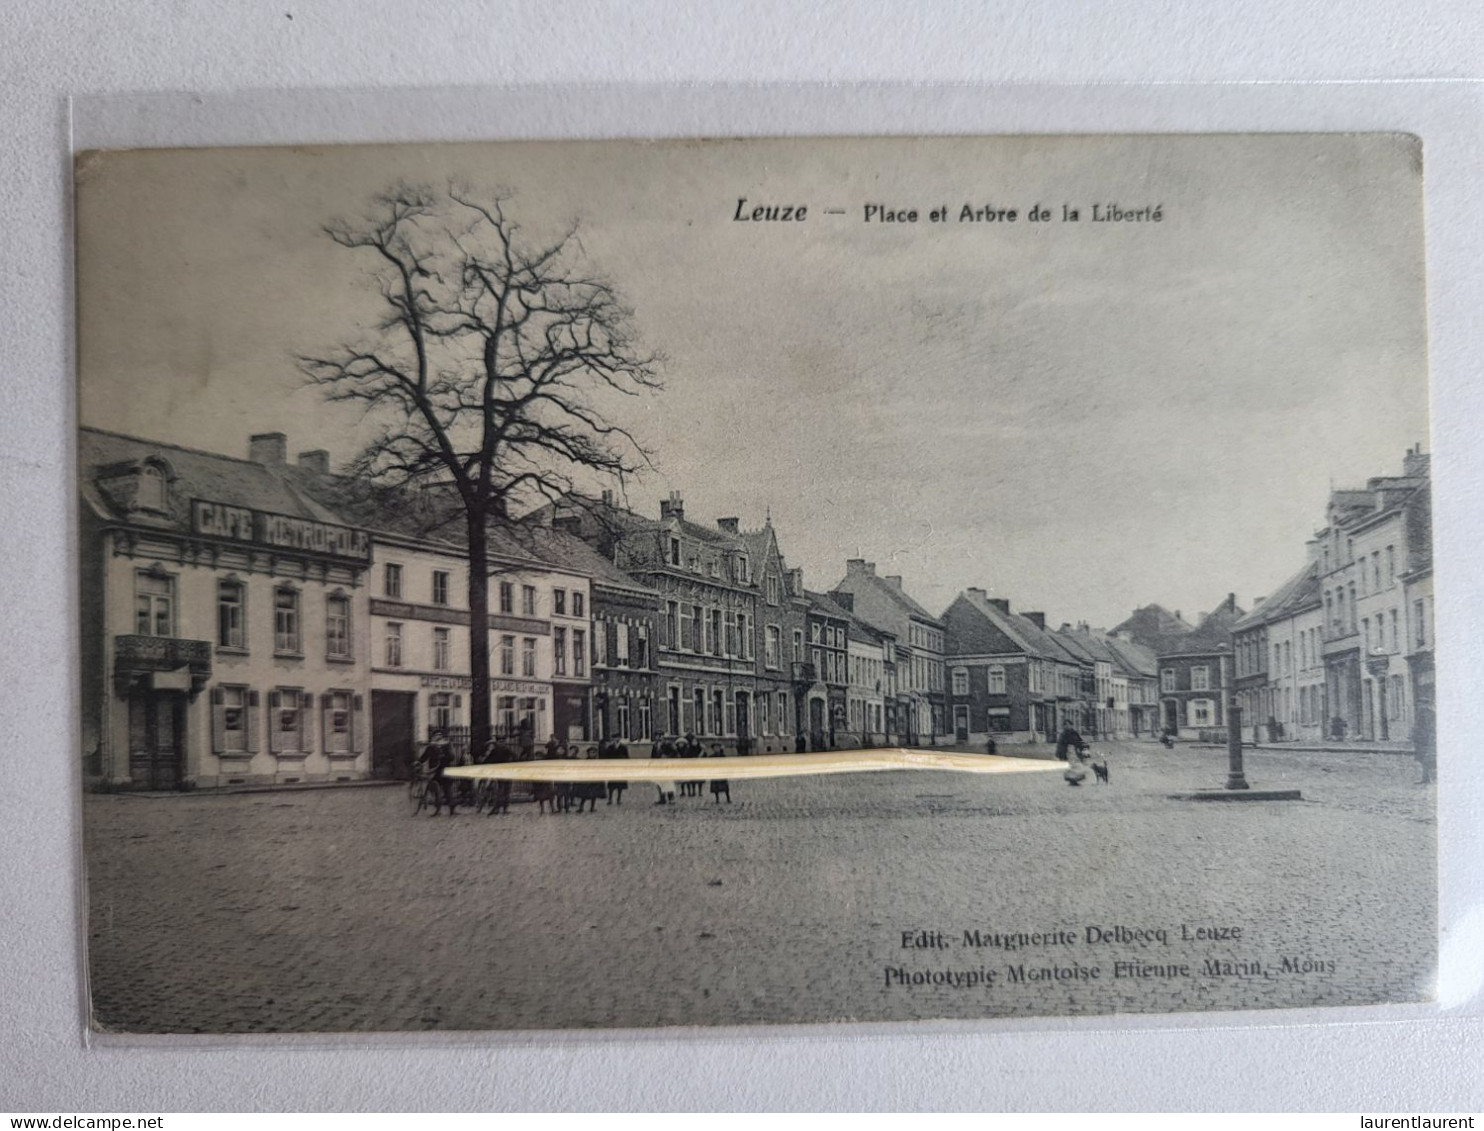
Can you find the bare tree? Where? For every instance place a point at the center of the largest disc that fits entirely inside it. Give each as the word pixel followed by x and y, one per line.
pixel 492 373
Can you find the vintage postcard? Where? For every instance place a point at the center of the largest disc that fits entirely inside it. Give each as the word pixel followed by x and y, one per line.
pixel 577 585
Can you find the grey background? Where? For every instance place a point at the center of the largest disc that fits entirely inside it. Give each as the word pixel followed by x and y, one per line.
pixel 1225 1063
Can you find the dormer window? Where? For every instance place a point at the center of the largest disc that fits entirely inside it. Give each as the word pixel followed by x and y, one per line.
pixel 151 487
pixel 742 577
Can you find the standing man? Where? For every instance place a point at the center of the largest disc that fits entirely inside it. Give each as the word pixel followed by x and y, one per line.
pixel 436 757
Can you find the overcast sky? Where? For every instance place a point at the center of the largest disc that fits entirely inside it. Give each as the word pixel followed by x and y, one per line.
pixel 1083 417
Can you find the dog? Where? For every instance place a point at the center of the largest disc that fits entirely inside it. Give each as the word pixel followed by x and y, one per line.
pixel 1100 771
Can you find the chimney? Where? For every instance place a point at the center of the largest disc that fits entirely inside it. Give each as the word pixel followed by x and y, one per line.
pixel 1066 626
pixel 1037 619
pixel 317 461
pixel 895 581
pixel 673 507
pixel 1001 603
pixel 607 497
pixel 727 525
pixel 796 581
pixel 271 449
pixel 980 593
pixel 1416 463
pixel 846 600
pixel 860 567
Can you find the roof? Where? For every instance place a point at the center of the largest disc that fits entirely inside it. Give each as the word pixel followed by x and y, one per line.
pixel 1019 630
pixel 828 606
pixel 105 457
pixel 1213 635
pixel 1151 624
pixel 1299 592
pixel 431 513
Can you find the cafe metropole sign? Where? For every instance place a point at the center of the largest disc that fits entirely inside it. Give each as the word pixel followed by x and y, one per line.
pixel 278 531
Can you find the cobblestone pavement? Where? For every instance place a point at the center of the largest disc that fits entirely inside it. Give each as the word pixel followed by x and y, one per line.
pixel 337 910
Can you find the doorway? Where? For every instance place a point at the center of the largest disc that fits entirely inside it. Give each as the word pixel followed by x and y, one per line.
pixel 156 739
pixel 392 733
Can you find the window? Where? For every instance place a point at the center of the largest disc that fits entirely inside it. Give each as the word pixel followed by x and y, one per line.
pixel 507 655
pixel 394 645
pixel 154 604
pixel 771 646
pixel 1419 625
pixel 286 621
pixel 785 724
pixel 1395 632
pixel 391 580
pixel 578 602
pixel 506 715
pixel 997 680
pixel 1167 679
pixel 1200 712
pixel 1200 679
pixel 559 650
pixel 230 598
pixel 772 586
pixel 1391 565
pixel 528 656
pixel 798 646
pixel 1376 568
pixel 743 576
pixel 507 597
pixel 745 629
pixel 152 492
pixel 558 602
pixel 620 643
pixel 528 600
pixel 230 719
pixel 717 639
pixel 675 551
pixel 816 632
pixel 286 721
pixel 960 681
pixel 440 649
pixel 715 713
pixel 337 627
pixel 441 713
pixel 440 587
pixel 579 653
pixel 640 656
pixel 337 706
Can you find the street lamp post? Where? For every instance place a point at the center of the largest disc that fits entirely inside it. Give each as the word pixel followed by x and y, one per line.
pixel 1236 777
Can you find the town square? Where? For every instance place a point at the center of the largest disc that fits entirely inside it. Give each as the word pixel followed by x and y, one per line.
pixel 334 909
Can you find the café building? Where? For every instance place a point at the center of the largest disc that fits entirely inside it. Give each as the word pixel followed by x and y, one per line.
pixel 224 620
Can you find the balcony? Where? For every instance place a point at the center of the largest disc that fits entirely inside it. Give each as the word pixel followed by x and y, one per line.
pixel 138 657
pixel 801 672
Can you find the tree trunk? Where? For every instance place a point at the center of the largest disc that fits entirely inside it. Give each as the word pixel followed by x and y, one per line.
pixel 479 635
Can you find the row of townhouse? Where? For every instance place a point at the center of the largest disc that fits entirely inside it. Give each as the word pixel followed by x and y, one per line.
pixel 249 621
pixel 260 620
pixel 744 654
pixel 1344 648
pixel 1011 678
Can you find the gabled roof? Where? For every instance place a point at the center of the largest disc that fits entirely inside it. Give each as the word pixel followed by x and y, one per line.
pixel 1213 635
pixel 826 605
pixel 1135 658
pixel 1151 624
pixel 1021 631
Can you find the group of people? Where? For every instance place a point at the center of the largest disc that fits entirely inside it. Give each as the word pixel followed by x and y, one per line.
pixel 689 747
pixel 439 755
